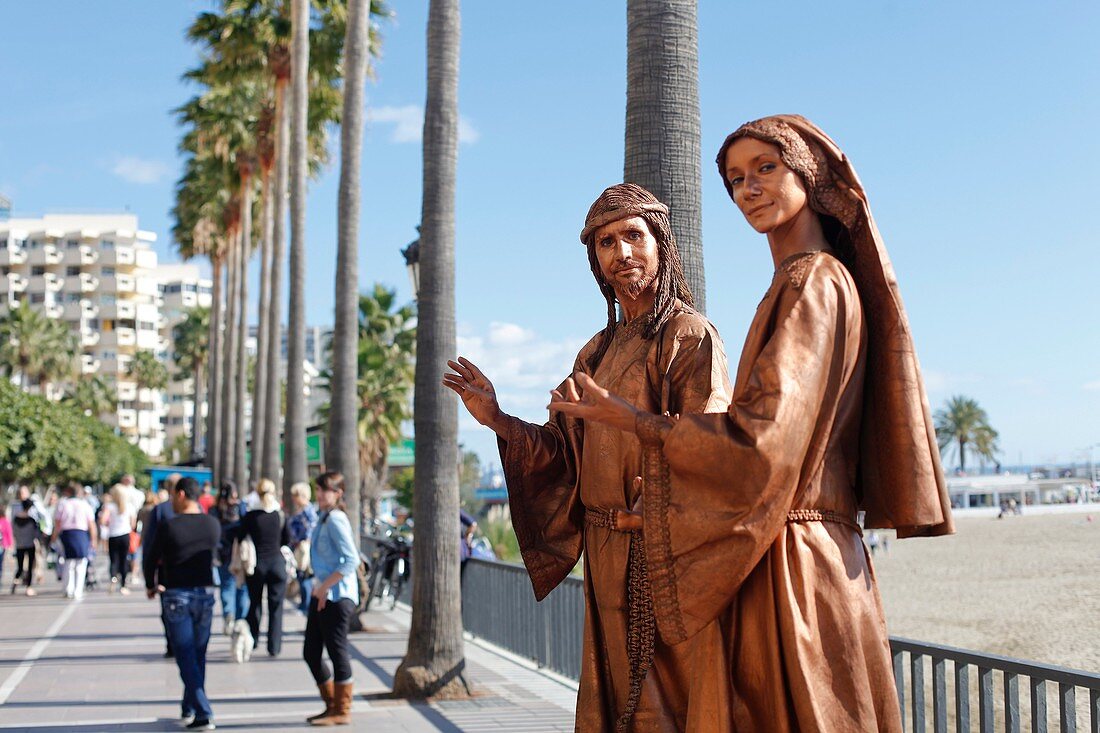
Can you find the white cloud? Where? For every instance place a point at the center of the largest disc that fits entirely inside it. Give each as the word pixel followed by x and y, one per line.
pixel 408 124
pixel 1093 386
pixel 139 170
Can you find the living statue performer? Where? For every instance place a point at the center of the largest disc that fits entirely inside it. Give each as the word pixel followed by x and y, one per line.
pixel 571 485
pixel 750 516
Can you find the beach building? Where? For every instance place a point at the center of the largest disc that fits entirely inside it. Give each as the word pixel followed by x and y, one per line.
pixel 182 288
pixel 98 273
pixel 969 492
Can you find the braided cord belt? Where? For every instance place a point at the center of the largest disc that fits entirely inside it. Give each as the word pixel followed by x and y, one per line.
pixel 641 625
pixel 822 515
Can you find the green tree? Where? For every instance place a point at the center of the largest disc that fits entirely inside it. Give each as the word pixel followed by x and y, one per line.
pixel 434 659
pixel 384 382
pixel 191 338
pixel 93 396
pixel 662 150
pixel 25 342
pixel 963 425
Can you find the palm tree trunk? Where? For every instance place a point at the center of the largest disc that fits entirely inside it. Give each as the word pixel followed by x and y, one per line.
pixel 662 120
pixel 434 662
pixel 240 459
pixel 272 402
pixel 342 451
pixel 294 435
pixel 196 418
pixel 229 384
pixel 962 455
pixel 259 389
pixel 213 415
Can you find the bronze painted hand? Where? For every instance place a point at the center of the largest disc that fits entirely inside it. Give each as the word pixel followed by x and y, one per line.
pixel 593 402
pixel 476 391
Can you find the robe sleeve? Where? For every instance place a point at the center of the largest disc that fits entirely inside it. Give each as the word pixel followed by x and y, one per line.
pixel 693 375
pixel 717 487
pixel 540 470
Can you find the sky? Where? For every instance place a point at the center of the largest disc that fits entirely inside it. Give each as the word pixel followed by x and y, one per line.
pixel 972 126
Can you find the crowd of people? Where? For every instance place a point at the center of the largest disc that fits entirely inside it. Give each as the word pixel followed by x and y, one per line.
pixel 194 547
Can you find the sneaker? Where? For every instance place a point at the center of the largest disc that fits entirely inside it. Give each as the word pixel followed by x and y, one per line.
pixel 201 724
pixel 186 720
pixel 124 591
pixel 31 592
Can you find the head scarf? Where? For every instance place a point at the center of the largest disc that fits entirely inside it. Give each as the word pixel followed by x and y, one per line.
pixel 900 480
pixel 620 201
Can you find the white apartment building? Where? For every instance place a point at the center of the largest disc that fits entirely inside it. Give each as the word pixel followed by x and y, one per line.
pixel 182 288
pixel 98 274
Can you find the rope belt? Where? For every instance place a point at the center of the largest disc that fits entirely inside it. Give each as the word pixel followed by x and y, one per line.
pixel 607 518
pixel 822 515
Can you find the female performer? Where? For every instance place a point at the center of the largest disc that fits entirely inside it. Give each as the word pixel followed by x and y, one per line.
pixel 750 516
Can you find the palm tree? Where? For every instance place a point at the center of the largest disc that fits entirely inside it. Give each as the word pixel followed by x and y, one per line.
pixel 148 374
pixel 24 342
pixel 294 430
pixel 963 422
pixel 434 660
pixel 385 365
pixel 662 120
pixel 985 445
pixel 58 362
pixel 341 452
pixel 93 396
pixel 191 338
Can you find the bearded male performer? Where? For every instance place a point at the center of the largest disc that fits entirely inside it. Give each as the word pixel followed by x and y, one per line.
pixel 571 485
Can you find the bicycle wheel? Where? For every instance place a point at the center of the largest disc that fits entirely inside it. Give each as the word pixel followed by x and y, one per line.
pixel 374 586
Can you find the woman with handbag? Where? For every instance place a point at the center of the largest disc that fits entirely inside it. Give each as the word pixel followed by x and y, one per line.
pixel 300 526
pixel 266 528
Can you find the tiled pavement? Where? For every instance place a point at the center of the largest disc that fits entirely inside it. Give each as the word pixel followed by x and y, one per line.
pixel 96 665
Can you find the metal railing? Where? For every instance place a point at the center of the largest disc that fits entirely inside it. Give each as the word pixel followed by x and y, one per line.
pixel 499 607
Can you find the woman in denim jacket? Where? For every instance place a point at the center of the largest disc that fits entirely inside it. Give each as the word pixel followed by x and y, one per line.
pixel 334 556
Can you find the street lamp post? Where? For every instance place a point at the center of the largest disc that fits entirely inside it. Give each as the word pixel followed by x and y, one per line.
pixel 412 262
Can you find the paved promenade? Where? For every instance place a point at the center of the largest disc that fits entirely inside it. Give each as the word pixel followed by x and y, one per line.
pixel 97 665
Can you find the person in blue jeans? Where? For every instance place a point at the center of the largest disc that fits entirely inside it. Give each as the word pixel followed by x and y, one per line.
pixel 184 549
pixel 300 527
pixel 234 596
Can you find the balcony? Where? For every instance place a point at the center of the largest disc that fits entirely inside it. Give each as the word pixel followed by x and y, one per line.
pixel 127 391
pixel 89 337
pixel 117 283
pixel 125 337
pixel 81 255
pixel 48 282
pixel 120 256
pixel 45 254
pixel 127 418
pixel 89 364
pixel 54 311
pixel 88 283
pixel 12 255
pixel 119 310
pixel 17 283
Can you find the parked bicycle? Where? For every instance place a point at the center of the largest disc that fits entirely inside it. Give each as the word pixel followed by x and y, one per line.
pixel 389 566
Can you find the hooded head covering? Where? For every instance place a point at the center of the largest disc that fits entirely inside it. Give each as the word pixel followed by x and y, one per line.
pixel 900 480
pixel 620 201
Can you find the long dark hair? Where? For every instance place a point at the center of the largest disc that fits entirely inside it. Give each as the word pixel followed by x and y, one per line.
pixel 671 285
pixel 333 480
pixel 226 493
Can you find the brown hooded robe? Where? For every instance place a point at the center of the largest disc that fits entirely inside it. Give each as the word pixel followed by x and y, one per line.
pixel 750 516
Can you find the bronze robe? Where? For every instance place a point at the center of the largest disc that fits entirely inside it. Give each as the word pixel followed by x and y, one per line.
pixel 557 470
pixel 750 522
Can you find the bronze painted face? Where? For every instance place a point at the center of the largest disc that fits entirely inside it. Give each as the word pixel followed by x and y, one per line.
pixel 768 193
pixel 627 252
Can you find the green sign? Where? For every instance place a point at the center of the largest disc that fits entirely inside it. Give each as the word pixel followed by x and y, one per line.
pixel 402 453
pixel 314 448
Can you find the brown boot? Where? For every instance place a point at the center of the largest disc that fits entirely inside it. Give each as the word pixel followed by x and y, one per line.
pixel 328 695
pixel 341 714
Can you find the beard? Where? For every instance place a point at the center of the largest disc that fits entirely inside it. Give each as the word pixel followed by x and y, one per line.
pixel 639 286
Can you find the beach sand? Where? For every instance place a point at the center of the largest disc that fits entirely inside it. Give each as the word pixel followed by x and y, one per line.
pixel 1025 587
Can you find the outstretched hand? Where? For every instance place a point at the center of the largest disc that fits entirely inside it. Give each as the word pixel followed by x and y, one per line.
pixel 582 398
pixel 475 389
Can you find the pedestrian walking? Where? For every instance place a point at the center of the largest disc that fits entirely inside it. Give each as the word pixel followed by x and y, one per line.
pixel 25 535
pixel 74 524
pixel 234 595
pixel 118 521
pixel 7 542
pixel 183 549
pixel 335 596
pixel 266 527
pixel 158 515
pixel 300 526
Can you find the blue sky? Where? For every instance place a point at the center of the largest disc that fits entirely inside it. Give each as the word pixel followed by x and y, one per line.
pixel 972 126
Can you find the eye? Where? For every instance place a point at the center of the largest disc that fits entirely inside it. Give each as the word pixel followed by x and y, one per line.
pixel 634 235
pixel 605 242
pixel 767 167
pixel 737 180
